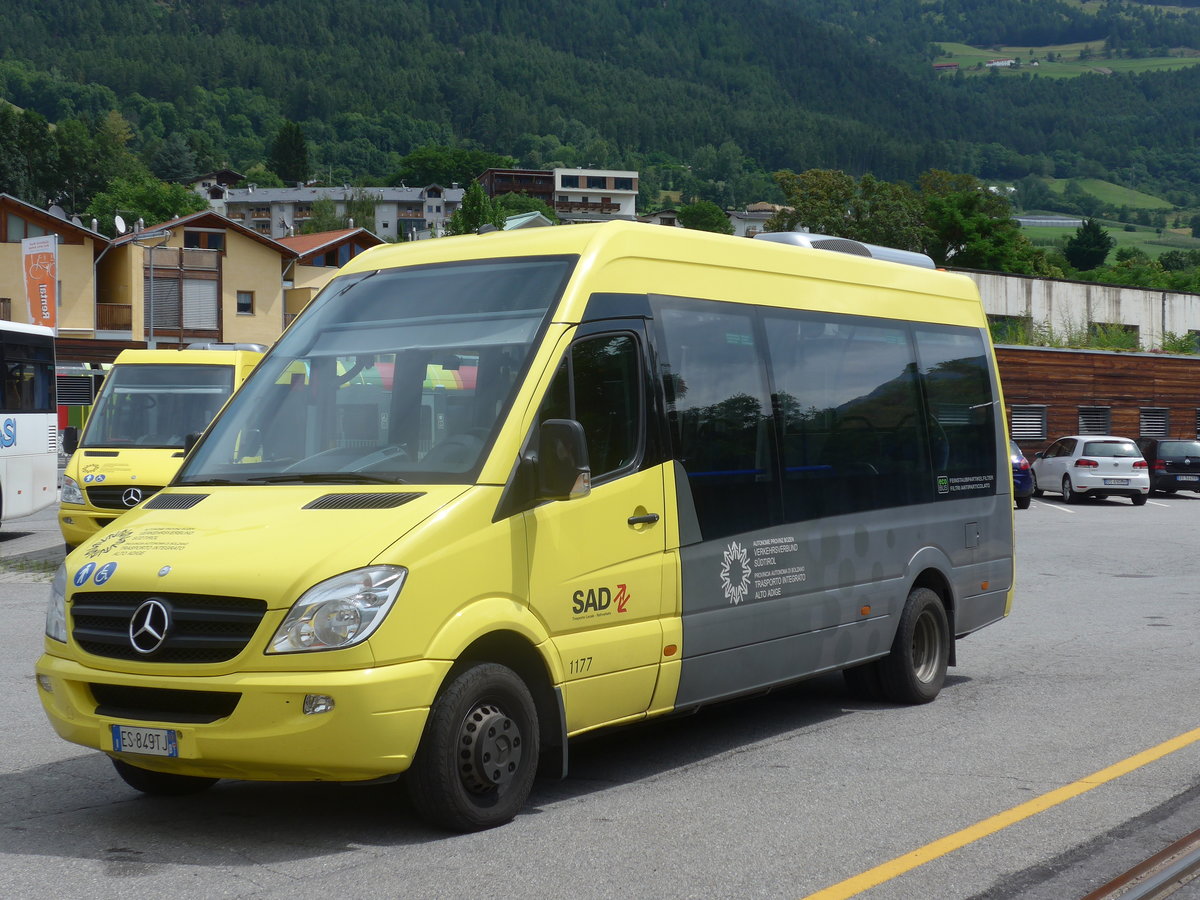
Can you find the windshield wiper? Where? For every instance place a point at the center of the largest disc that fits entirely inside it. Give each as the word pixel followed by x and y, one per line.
pixel 326 478
pixel 209 482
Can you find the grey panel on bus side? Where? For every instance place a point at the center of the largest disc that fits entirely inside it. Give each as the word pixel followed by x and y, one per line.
pixel 771 606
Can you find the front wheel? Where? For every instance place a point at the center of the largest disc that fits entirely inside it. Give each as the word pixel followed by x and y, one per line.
pixel 161 784
pixel 1037 491
pixel 915 670
pixel 479 754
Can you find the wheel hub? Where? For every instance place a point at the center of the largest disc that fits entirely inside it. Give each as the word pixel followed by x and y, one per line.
pixel 489 749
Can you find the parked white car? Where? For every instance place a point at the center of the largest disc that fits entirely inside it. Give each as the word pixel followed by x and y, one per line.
pixel 1092 465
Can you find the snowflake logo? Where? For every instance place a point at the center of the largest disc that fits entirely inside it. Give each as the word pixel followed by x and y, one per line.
pixel 108 543
pixel 735 573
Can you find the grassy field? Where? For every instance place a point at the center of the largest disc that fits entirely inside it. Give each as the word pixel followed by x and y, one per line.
pixel 1147 239
pixel 972 60
pixel 1111 194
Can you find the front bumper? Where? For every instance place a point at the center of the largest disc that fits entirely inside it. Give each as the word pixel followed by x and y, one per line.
pixel 78 523
pixel 372 731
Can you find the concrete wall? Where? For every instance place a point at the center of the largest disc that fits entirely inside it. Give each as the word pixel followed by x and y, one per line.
pixel 1071 306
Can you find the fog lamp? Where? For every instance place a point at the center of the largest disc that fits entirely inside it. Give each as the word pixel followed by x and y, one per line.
pixel 317 703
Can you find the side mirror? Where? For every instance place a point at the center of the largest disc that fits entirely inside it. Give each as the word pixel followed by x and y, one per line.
pixel 70 438
pixel 1038 455
pixel 563 472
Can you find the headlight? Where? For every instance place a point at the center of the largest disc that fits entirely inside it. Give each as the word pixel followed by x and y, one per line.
pixel 71 492
pixel 56 609
pixel 340 612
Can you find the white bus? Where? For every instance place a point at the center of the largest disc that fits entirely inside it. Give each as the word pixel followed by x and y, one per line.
pixel 28 420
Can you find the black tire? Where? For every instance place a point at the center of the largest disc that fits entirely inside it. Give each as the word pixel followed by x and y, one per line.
pixel 479 754
pixel 1023 502
pixel 864 682
pixel 1138 499
pixel 1037 491
pixel 161 784
pixel 915 670
pixel 1070 495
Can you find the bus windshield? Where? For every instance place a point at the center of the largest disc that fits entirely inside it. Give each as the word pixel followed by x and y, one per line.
pixel 156 405
pixel 397 376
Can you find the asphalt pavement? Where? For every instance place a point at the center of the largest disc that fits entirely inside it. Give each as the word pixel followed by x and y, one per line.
pixel 31 548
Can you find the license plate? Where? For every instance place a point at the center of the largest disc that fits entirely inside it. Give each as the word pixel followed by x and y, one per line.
pixel 1116 481
pixel 148 741
pixel 1187 477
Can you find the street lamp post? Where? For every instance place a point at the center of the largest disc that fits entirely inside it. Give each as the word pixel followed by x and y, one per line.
pixel 165 234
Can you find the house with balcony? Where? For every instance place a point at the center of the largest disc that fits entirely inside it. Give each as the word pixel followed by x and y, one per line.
pixel 79 249
pixel 535 183
pixel 595 195
pixel 401 213
pixel 317 258
pixel 200 277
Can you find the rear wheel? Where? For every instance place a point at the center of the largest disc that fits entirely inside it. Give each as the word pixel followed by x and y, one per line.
pixel 915 670
pixel 479 754
pixel 1070 495
pixel 1023 502
pixel 1138 499
pixel 161 784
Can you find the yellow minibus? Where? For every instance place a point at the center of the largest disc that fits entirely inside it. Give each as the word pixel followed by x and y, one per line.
pixel 495 491
pixel 136 433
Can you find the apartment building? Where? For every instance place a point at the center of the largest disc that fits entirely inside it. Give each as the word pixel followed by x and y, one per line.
pixel 401 213
pixel 595 195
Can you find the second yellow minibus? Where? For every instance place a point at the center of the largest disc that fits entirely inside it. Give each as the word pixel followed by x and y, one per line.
pixel 495 491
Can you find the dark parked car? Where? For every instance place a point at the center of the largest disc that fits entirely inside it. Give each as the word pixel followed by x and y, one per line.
pixel 1174 464
pixel 1022 478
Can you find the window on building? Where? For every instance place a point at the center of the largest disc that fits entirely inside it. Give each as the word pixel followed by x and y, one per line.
pixel 622 184
pixel 596 183
pixel 1155 421
pixel 204 240
pixel 570 181
pixel 245 303
pixel 1095 419
pixel 1027 422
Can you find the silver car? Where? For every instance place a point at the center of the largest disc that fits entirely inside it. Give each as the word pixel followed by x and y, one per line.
pixel 1092 465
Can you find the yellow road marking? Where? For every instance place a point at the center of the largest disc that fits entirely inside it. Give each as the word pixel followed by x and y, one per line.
pixel 909 861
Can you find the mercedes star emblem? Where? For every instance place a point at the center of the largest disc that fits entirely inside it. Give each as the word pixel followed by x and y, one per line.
pixel 148 626
pixel 132 497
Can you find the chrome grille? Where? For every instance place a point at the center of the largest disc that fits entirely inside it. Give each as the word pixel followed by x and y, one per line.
pixel 113 496
pixel 203 629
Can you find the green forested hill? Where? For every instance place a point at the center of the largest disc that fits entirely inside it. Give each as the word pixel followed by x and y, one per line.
pixel 731 88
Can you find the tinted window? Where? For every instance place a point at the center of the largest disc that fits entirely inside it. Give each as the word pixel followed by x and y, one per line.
pixel 599 385
pixel 955 374
pixel 851 422
pixel 27 365
pixel 719 413
pixel 1111 448
pixel 1179 448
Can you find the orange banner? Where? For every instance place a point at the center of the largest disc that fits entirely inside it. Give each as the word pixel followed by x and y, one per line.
pixel 41 278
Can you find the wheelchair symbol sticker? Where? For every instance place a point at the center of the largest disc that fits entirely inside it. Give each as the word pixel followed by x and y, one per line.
pixel 104 573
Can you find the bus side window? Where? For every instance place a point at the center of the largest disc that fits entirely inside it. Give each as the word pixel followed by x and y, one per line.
pixel 599 385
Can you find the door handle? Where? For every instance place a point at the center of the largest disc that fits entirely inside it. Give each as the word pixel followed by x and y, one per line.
pixel 647 519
